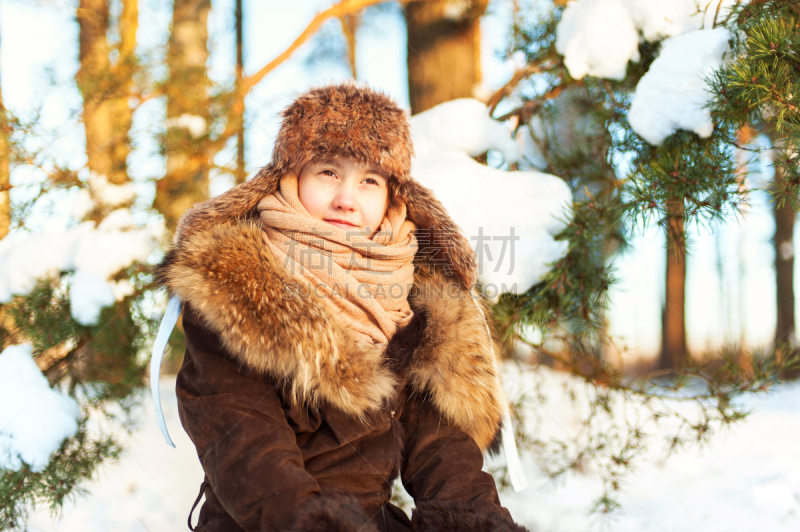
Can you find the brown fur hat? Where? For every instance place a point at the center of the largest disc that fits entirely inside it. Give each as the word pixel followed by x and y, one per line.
pixel 344 120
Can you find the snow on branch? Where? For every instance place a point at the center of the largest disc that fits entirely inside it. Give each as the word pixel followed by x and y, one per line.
pixel 599 38
pixel 95 254
pixel 35 419
pixel 509 217
pixel 673 93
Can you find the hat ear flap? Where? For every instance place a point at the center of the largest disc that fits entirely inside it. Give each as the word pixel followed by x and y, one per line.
pixel 238 203
pixel 441 243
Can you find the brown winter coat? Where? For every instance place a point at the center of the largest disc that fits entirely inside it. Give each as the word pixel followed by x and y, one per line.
pixel 301 426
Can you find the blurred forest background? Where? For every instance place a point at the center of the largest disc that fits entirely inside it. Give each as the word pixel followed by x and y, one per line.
pixel 678 280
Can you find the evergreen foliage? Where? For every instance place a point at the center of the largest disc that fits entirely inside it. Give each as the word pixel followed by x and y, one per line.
pixel 102 366
pixel 760 88
pixel 73 463
pixel 621 184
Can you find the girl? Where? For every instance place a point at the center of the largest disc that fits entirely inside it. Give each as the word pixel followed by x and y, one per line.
pixel 332 339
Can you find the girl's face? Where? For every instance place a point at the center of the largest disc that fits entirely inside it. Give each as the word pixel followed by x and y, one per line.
pixel 344 193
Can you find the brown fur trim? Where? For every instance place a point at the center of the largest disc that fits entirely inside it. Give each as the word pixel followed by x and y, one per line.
pixel 233 206
pixel 332 512
pixel 451 516
pixel 235 284
pixel 457 362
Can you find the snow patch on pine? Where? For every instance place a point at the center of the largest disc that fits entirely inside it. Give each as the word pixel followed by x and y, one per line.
pixel 509 218
pixel 35 419
pixel 672 95
pixel 597 38
pixel 88 296
pixel 95 254
pixel 658 19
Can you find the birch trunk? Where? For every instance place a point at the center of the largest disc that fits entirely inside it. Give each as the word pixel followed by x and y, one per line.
pixel 106 87
pixel 187 143
pixel 92 78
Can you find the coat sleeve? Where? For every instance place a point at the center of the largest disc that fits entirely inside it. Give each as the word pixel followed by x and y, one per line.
pixel 246 446
pixel 441 470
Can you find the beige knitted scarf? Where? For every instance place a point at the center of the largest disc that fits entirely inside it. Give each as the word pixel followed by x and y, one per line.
pixel 365 280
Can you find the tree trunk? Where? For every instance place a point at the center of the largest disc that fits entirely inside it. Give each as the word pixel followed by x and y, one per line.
pixel 93 82
pixel 443 51
pixel 241 173
pixel 106 87
pixel 5 171
pixel 673 330
pixel 186 143
pixel 122 111
pixel 784 267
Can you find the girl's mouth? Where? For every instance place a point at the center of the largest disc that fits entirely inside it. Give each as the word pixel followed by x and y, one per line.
pixel 342 224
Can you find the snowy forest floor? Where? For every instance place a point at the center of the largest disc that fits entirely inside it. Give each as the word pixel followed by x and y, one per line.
pixel 747 479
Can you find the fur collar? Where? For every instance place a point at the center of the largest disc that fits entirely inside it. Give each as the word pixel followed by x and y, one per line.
pixel 222 268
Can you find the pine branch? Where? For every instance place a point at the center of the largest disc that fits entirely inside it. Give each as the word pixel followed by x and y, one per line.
pixel 507 89
pixel 526 110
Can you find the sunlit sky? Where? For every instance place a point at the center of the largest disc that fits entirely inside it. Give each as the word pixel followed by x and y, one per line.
pixel 39 58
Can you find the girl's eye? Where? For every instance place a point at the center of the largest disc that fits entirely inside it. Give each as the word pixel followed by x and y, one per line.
pixel 372 180
pixel 328 172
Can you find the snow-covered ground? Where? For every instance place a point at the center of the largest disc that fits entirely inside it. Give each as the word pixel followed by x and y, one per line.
pixel 748 479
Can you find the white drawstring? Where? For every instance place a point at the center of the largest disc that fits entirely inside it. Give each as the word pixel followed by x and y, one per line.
pixel 513 464
pixel 164 330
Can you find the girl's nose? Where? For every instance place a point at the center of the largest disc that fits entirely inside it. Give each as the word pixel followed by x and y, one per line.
pixel 344 199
